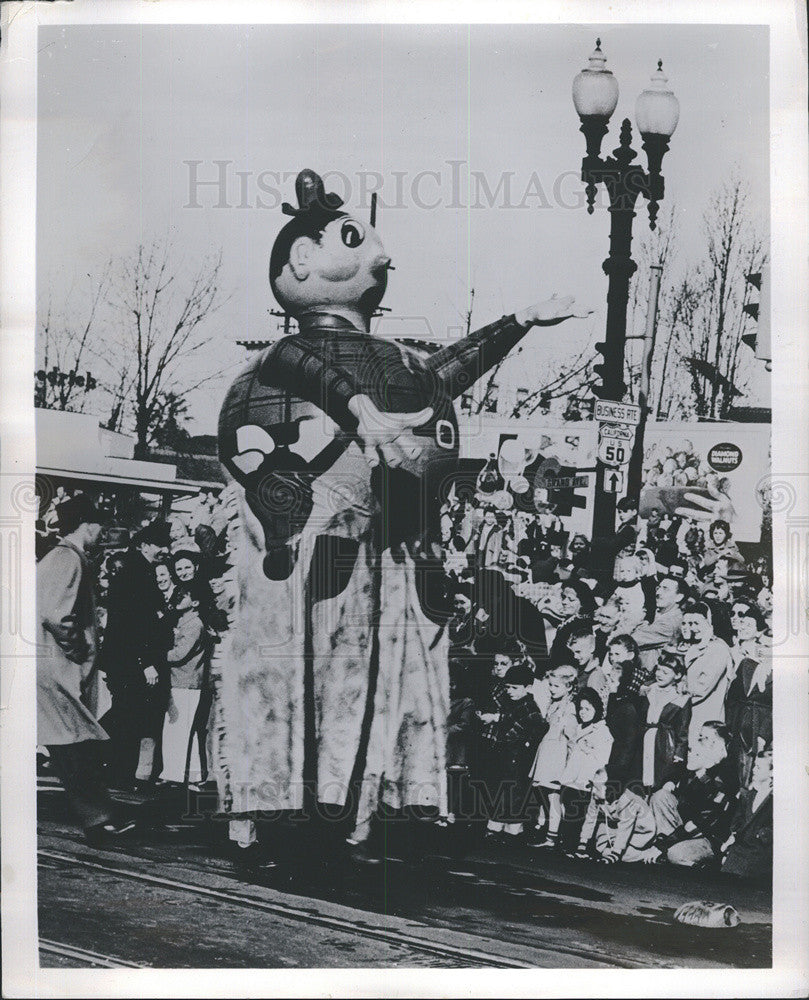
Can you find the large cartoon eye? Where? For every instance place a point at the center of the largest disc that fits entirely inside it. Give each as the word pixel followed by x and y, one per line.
pixel 352 234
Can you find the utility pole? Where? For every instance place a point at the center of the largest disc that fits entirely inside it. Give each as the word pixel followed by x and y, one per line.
pixel 635 474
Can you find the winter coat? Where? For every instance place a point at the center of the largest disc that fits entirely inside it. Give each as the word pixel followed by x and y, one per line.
pixel 66 648
pixel 461 726
pixel 516 737
pixel 588 751
pixel 750 853
pixel 625 724
pixel 190 652
pixel 708 801
pixel 551 757
pixel 748 714
pixel 663 745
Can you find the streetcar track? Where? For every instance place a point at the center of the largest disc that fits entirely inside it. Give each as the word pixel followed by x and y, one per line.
pixel 85 955
pixel 357 927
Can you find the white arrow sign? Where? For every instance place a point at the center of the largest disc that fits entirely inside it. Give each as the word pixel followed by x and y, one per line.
pixel 614 481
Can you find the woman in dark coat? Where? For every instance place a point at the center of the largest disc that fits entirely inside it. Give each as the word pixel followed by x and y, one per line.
pixel 625 722
pixel 748 713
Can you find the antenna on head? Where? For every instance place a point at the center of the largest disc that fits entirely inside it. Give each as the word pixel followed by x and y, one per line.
pixel 373 209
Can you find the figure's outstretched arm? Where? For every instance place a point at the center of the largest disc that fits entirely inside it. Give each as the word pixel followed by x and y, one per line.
pixel 461 364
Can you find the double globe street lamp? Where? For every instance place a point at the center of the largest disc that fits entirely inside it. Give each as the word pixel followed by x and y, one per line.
pixel 657 111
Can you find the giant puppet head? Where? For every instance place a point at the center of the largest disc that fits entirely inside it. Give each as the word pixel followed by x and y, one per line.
pixel 324 257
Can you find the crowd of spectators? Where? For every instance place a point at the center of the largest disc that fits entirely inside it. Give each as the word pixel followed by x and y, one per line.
pixel 158 616
pixel 610 699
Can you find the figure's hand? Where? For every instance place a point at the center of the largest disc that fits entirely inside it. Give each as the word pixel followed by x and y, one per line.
pixel 151 676
pixel 716 507
pixel 554 310
pixel 388 436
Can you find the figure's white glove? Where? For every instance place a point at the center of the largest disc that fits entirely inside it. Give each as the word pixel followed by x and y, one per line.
pixel 717 507
pixel 388 436
pixel 554 310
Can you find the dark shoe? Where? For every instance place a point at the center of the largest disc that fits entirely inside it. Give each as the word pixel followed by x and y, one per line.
pixel 105 833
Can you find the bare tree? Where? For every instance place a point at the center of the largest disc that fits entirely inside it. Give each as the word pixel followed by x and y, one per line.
pixel 700 365
pixel 161 323
pixel 64 342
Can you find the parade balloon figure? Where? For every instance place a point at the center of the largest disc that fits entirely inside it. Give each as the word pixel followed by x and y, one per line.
pixel 331 686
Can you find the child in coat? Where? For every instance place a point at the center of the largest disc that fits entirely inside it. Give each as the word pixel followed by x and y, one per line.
pixel 551 758
pixel 515 737
pixel 588 752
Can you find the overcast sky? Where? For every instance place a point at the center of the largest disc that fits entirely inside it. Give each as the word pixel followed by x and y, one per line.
pixel 122 108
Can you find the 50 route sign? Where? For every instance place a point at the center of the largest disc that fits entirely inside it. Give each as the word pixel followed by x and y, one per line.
pixel 615 444
pixel 616 413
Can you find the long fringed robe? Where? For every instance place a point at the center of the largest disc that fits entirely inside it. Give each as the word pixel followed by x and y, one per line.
pixel 346 695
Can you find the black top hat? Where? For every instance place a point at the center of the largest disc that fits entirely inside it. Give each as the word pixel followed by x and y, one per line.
pixel 311 195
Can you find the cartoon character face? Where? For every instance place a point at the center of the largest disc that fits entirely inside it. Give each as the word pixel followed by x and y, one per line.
pixel 348 266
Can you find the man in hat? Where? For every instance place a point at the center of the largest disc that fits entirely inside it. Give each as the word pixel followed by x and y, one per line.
pixel 65 657
pixel 134 659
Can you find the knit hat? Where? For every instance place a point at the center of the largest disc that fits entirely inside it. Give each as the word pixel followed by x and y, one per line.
pixel 519 674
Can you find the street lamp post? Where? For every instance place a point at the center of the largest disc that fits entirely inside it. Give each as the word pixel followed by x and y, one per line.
pixel 595 97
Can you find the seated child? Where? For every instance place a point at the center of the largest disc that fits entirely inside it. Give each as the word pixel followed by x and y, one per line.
pixel 624 829
pixel 748 850
pixel 692 815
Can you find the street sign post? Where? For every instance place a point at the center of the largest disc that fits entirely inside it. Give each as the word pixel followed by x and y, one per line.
pixel 614 481
pixel 608 411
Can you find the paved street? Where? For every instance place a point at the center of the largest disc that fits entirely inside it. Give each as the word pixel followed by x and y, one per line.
pixel 176 897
